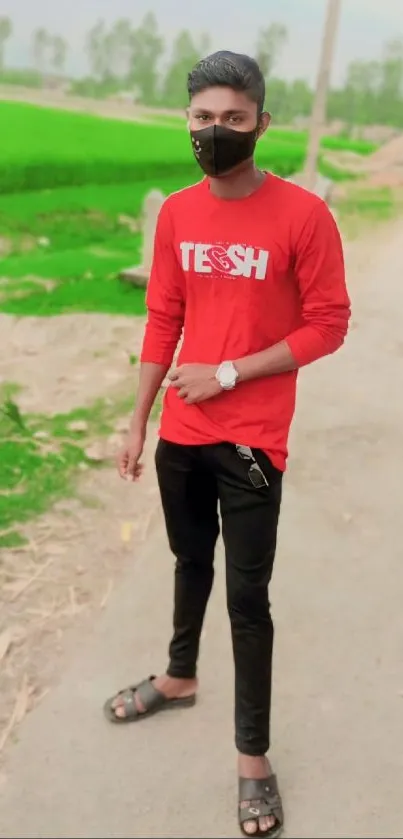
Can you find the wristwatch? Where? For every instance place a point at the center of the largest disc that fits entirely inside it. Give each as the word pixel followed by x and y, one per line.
pixel 227 375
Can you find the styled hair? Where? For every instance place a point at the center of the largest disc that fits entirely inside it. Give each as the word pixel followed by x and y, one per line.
pixel 228 69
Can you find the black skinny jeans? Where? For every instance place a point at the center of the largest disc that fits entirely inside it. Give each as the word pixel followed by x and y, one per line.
pixel 192 481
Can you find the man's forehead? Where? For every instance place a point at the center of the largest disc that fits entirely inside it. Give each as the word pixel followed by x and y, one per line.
pixel 223 97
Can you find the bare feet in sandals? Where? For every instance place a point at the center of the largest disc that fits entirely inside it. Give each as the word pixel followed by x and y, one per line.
pixel 157 693
pixel 266 801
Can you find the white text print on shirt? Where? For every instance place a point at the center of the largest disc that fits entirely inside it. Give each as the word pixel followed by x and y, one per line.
pixel 224 259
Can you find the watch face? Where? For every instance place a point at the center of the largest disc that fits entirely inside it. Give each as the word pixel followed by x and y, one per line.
pixel 228 375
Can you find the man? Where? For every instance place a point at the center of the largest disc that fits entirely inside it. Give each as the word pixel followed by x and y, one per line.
pixel 250 268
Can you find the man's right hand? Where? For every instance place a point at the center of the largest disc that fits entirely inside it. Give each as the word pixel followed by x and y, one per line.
pixel 128 459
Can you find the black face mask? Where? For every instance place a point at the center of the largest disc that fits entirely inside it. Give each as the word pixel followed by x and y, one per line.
pixel 218 149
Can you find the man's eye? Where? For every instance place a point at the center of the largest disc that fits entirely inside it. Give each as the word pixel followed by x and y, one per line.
pixel 235 120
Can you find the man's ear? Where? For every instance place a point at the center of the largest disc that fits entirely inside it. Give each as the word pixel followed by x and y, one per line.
pixel 187 118
pixel 264 123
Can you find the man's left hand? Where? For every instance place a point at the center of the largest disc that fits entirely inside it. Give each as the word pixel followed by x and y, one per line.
pixel 195 382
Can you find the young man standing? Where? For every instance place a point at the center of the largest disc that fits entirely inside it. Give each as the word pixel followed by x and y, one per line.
pixel 250 268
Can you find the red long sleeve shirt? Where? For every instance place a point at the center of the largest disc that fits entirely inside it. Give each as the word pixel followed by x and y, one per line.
pixel 238 276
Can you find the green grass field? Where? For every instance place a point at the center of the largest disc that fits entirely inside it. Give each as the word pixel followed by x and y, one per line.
pixel 67 149
pixel 69 185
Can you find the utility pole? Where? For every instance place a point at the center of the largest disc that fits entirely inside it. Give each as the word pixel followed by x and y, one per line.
pixel 322 86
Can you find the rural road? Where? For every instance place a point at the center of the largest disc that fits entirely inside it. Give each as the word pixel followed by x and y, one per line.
pixel 337 598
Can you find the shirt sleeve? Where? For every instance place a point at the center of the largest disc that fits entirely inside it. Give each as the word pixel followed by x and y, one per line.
pixel 165 296
pixel 320 274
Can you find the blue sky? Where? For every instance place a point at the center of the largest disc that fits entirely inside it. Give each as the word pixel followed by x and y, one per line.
pixel 365 26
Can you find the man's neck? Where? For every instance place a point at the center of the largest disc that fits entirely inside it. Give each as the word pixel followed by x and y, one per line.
pixel 240 184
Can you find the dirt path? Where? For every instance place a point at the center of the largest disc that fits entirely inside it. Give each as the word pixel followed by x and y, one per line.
pixel 337 599
pixel 67 361
pixel 107 108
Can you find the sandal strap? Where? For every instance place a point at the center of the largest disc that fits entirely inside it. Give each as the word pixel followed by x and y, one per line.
pixel 149 696
pixel 128 703
pixel 256 810
pixel 264 798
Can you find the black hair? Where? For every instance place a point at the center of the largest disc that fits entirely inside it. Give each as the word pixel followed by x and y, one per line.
pixel 228 69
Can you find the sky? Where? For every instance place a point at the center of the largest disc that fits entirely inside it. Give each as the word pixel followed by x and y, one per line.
pixel 364 27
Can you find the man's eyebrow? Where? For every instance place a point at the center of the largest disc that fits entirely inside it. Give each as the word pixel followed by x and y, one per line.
pixel 231 112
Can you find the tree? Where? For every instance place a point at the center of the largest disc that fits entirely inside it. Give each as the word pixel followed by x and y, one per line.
pixel 59 53
pixel 96 51
pixel 373 91
pixel 204 45
pixel 269 44
pixel 277 97
pixel 185 54
pixel 357 102
pixel 361 78
pixel 40 45
pixel 391 82
pixel 119 49
pixel 147 48
pixel 6 29
pixel 300 99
